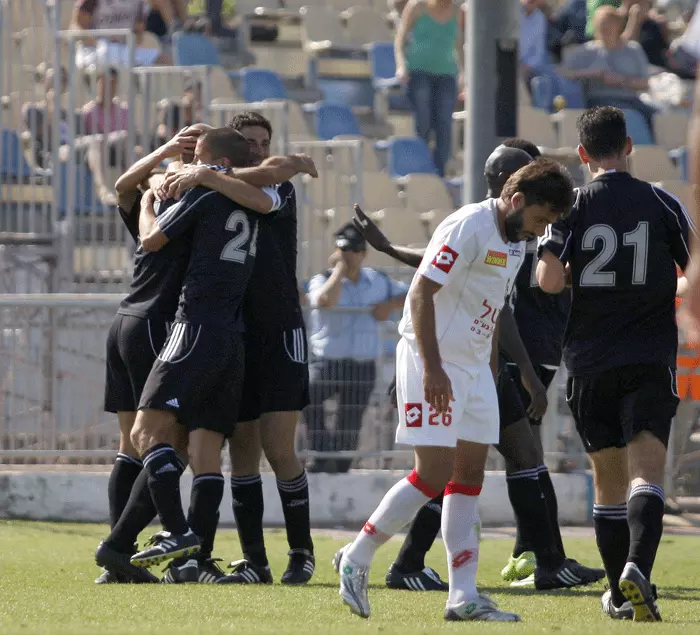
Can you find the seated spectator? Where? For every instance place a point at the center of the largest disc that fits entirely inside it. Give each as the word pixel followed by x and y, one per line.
pixel 104 125
pixel 612 70
pixel 429 49
pixel 592 7
pixel 113 14
pixel 650 29
pixel 533 54
pixel 345 345
pixel 39 117
pixel 166 17
pixel 567 27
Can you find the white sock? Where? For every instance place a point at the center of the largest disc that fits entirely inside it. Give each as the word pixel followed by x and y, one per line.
pixel 460 532
pixel 397 509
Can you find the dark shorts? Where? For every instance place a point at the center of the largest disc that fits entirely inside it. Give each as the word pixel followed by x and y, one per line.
pixel 610 408
pixel 276 373
pixel 198 376
pixel 132 346
pixel 513 399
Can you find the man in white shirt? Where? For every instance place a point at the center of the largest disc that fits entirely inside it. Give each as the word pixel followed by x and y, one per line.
pixel 448 408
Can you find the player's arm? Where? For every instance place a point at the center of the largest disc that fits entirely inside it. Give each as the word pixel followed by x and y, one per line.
pixel 376 238
pixel 437 387
pixel 510 341
pixel 551 273
pixel 135 178
pixel 147 215
pixel 174 221
pixel 553 249
pixel 275 170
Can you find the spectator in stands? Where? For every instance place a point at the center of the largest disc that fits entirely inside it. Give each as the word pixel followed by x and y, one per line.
pixel 533 53
pixel 567 27
pixel 39 117
pixel 613 71
pixel 105 122
pixel 114 14
pixel 591 7
pixel 429 49
pixel 166 17
pixel 173 115
pixel 345 346
pixel 650 29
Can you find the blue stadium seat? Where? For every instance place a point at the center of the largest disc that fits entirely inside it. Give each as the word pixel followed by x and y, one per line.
pixel 13 165
pixel 409 155
pixel 679 157
pixel 383 64
pixel 637 128
pixel 546 87
pixel 194 49
pixel 84 192
pixel 258 84
pixel 335 119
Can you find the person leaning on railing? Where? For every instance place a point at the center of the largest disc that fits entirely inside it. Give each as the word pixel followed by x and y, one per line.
pixel 345 343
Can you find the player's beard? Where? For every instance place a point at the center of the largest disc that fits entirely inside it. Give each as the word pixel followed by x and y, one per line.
pixel 513 225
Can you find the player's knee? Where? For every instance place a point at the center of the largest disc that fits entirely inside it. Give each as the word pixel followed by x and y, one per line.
pixel 646 456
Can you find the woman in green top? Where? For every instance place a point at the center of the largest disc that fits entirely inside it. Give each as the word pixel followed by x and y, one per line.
pixel 431 62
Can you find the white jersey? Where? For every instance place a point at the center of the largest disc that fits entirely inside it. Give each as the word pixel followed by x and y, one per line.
pixel 690 40
pixel 477 270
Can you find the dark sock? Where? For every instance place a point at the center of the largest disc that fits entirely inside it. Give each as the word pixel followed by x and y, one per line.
pixel 137 514
pixel 248 507
pixel 203 515
pixel 612 534
pixel 645 515
pixel 550 498
pixel 124 473
pixel 420 538
pixel 161 463
pixel 532 519
pixel 294 495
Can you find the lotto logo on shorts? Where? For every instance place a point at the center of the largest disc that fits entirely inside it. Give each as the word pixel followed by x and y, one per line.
pixel 496 258
pixel 445 259
pixel 462 558
pixel 414 415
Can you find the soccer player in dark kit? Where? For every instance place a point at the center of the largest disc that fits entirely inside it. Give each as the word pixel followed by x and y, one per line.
pixel 619 248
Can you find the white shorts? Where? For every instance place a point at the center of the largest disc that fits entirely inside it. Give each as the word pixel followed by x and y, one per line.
pixel 474 413
pixel 113 54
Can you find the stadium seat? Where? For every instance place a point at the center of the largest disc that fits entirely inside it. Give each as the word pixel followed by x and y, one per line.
pixel 383 65
pixel 537 126
pixel 220 85
pixel 13 166
pixel 379 191
pixel 333 120
pixel 652 163
pixel 546 87
pixel 435 216
pixel 671 128
pixel 321 30
pixel 425 192
pixel 403 226
pixel 409 155
pixel 258 84
pixel 682 191
pixel 370 161
pixel 637 128
pixel 85 200
pixel 679 157
pixel 194 49
pixel 366 25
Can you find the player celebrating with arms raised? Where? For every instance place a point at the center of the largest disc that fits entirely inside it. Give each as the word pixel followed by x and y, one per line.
pixel 448 408
pixel 622 243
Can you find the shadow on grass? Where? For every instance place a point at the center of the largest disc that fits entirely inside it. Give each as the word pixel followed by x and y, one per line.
pixel 578 592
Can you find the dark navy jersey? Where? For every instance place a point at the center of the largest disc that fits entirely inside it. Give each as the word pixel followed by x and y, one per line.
pixel 272 300
pixel 224 245
pixel 622 240
pixel 541 317
pixel 155 286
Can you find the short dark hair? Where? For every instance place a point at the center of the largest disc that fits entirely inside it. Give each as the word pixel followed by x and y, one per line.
pixel 523 144
pixel 602 131
pixel 542 182
pixel 248 119
pixel 229 144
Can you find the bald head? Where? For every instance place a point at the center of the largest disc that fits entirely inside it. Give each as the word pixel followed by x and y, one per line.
pixel 500 165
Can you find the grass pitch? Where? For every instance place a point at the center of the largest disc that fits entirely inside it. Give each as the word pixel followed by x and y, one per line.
pixel 47 572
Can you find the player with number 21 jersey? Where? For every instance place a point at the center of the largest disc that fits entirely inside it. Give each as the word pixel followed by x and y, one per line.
pixel 476 269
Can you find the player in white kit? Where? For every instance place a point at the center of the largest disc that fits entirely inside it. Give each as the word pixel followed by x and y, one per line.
pixel 448 407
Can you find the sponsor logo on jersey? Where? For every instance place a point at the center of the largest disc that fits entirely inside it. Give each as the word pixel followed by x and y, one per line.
pixel 514 252
pixel 414 415
pixel 496 258
pixel 445 259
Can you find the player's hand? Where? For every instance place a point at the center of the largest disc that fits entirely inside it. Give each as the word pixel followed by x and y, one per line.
pixel 381 311
pixel 437 389
pixel 337 261
pixel 689 312
pixel 176 184
pixel 402 75
pixel 392 393
pixel 538 395
pixel 373 235
pixel 183 142
pixel 306 165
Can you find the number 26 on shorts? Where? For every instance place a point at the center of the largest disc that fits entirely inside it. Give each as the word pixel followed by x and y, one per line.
pixel 414 416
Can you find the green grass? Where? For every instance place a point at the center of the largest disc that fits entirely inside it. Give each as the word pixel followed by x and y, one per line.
pixel 47 572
